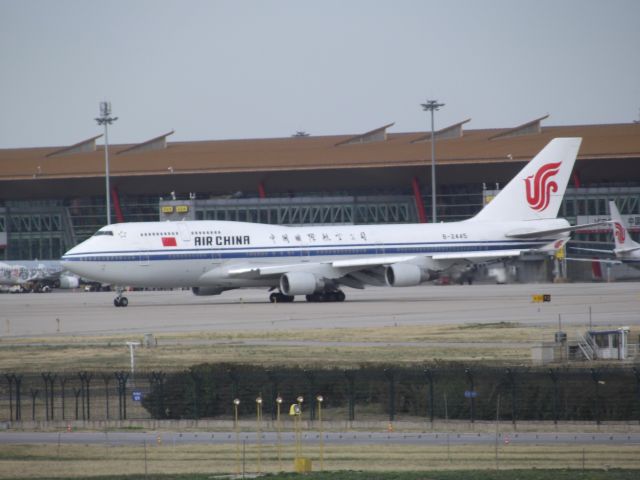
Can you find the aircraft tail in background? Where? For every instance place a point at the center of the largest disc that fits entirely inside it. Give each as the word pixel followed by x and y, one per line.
pixel 624 242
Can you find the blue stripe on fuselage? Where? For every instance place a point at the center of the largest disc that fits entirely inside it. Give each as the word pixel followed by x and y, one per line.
pixel 301 251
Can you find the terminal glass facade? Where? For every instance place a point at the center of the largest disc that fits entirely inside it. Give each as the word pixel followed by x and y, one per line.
pixel 46 229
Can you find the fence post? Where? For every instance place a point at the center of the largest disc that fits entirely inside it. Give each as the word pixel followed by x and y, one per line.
pixel 10 382
pixel 157 387
pixel 52 379
pixel 472 410
pixel 392 393
pixel 595 376
pixel 273 378
pixel 63 381
pixel 554 378
pixel 122 378
pixel 233 375
pixel 85 380
pixel 311 394
pixel 514 408
pixel 429 376
pixel 46 396
pixel 49 380
pixel 196 387
pixel 76 393
pixel 636 372
pixel 350 375
pixel 18 381
pixel 34 395
pixel 106 379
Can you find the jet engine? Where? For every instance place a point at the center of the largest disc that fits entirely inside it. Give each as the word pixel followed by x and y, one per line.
pixel 203 291
pixel 300 283
pixel 68 282
pixel 405 275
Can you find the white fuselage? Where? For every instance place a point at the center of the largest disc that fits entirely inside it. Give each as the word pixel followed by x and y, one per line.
pixel 216 253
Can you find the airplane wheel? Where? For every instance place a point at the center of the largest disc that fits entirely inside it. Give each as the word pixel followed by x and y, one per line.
pixel 340 296
pixel 120 301
pixel 315 297
pixel 281 298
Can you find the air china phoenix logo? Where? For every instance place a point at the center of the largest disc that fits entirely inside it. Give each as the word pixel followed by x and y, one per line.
pixel 619 232
pixel 540 186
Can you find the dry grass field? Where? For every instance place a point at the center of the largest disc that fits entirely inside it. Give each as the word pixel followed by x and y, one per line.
pixel 404 344
pixel 81 461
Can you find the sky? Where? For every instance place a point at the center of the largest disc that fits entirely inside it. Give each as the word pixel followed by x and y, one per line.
pixel 213 70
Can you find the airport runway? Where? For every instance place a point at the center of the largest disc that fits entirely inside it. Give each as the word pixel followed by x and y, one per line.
pixel 93 314
pixel 330 438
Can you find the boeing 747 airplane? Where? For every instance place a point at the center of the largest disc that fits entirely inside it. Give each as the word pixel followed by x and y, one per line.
pixel 317 261
pixel 35 276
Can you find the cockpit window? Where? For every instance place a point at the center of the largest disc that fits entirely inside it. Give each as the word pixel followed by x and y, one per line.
pixel 103 232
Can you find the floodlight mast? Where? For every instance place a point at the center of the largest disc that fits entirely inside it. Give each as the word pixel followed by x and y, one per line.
pixel 106 120
pixel 431 106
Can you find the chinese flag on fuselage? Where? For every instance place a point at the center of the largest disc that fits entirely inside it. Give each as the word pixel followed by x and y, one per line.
pixel 169 242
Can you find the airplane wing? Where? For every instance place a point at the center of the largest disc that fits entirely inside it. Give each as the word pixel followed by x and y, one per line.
pixel 339 265
pixel 476 256
pixel 366 270
pixel 524 233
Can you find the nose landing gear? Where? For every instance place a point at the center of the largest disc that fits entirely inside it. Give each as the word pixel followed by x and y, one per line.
pixel 120 300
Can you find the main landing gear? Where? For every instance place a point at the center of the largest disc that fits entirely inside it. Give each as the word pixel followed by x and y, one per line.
pixel 120 300
pixel 332 296
pixel 277 297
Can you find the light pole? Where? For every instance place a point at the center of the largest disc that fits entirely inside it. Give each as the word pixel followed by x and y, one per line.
pixel 320 399
pixel 278 404
pixel 298 419
pixel 259 431
pixel 106 119
pixel 236 403
pixel 431 106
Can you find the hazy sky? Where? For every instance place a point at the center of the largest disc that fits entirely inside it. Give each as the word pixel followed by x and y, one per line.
pixel 253 69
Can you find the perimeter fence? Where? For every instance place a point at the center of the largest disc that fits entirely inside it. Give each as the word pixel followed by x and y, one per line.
pixel 439 391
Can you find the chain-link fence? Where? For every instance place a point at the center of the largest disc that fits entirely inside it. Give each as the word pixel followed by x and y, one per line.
pixel 452 392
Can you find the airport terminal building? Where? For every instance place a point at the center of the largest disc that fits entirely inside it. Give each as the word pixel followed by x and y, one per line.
pixel 52 198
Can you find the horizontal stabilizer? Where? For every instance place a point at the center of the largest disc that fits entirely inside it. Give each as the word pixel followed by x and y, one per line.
pixel 591 260
pixel 627 250
pixel 595 250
